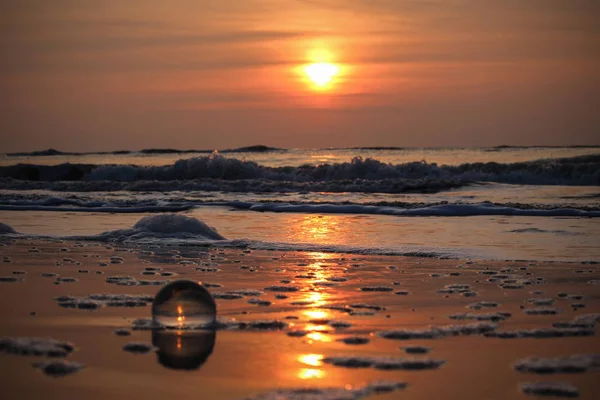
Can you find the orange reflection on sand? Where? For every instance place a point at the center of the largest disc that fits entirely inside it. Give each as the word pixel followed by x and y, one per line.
pixel 316 314
pixel 311 373
pixel 312 360
pixel 317 336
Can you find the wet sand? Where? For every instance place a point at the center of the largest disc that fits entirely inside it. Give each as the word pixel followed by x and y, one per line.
pixel 388 302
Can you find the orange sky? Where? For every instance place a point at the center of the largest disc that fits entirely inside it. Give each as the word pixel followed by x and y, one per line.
pixel 119 74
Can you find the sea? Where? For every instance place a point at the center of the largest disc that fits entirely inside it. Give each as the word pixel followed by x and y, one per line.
pixel 494 203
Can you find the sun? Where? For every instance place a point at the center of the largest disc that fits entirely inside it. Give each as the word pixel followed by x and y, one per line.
pixel 321 74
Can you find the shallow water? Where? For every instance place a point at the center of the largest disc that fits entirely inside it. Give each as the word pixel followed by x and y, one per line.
pixel 478 237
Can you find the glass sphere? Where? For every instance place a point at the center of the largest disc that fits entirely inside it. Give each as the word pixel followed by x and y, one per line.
pixel 184 304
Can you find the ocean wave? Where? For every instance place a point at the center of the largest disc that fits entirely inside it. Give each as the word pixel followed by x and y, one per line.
pixel 437 210
pixel 383 208
pixel 53 152
pixel 391 186
pixel 216 172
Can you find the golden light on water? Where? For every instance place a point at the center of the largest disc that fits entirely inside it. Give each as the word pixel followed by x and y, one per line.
pixel 311 373
pixel 315 314
pixel 313 361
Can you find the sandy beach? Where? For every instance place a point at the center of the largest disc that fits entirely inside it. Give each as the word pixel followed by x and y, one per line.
pixel 329 321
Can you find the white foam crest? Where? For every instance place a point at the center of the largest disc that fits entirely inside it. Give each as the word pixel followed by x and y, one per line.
pixel 162 226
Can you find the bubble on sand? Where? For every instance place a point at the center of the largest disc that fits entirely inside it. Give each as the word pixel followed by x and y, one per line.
pixel 554 389
pixel 27 346
pixel 494 317
pixel 122 332
pixel 94 301
pixel 367 306
pixel 542 333
pixel 227 296
pixel 348 393
pixel 384 363
pixel 258 302
pixel 354 340
pixel 66 280
pixel 580 321
pixel 435 332
pixel 560 365
pixel 416 349
pixel 9 279
pixel 542 311
pixel 541 302
pixel 184 303
pixel 59 368
pixel 483 304
pixel 211 285
pixel 276 288
pixel 339 324
pixel 376 289
pixel 402 293
pixel 138 347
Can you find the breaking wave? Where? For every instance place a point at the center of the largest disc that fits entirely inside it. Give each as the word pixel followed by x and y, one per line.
pixel 218 173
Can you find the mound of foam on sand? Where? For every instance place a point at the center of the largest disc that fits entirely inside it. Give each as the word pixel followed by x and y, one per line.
pixel 5 229
pixel 162 226
pixel 174 223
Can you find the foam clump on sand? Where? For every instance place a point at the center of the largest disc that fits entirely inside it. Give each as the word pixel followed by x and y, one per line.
pixel 569 364
pixel 416 349
pixel 138 347
pixel 384 363
pixel 27 346
pixel 94 301
pixel 483 304
pixel 438 331
pixel 330 393
pixel 175 223
pixel 162 226
pixel 542 311
pixel 541 333
pixel 59 368
pixel 258 325
pixel 6 229
pixel 494 317
pixel 555 389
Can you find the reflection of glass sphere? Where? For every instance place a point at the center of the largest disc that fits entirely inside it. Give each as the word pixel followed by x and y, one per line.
pixel 184 303
pixel 183 349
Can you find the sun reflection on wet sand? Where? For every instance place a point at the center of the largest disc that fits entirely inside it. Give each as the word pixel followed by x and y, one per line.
pixel 312 360
pixel 310 373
